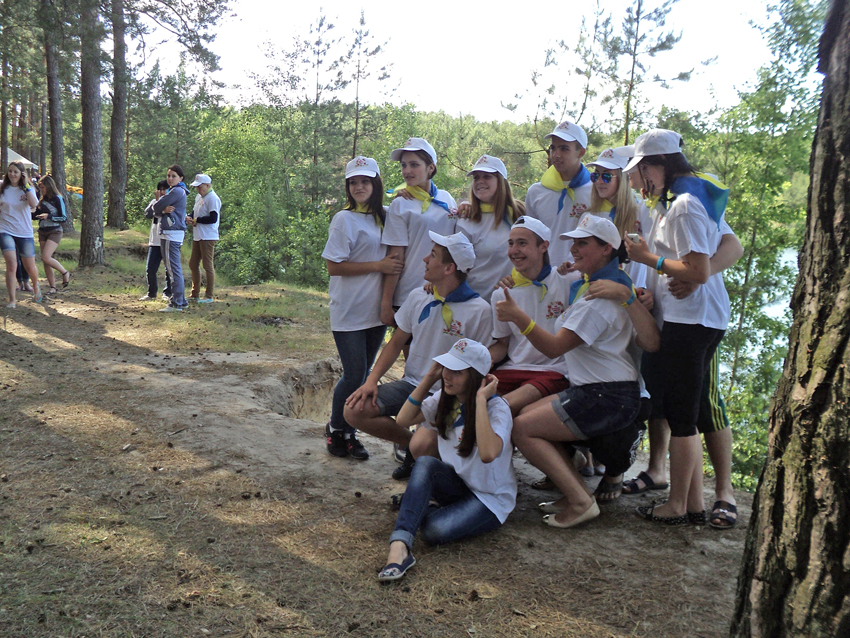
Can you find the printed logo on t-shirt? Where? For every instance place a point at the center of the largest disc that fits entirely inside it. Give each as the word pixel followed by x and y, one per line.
pixel 454 329
pixel 555 310
pixel 579 209
pixel 452 214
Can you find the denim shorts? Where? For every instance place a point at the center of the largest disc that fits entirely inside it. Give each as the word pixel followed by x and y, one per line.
pixel 24 245
pixel 391 396
pixel 596 409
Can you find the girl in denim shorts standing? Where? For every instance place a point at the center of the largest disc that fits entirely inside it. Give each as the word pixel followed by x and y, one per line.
pixel 17 200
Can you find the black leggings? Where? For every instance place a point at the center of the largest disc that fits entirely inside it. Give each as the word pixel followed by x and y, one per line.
pixel 674 375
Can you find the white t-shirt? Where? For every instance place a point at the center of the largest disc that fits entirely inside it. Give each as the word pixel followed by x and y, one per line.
pixel 494 483
pixel 606 330
pixel 203 207
pixel 431 338
pixel 355 301
pixel 15 212
pixel 153 240
pixel 491 253
pixel 685 228
pixel 542 203
pixel 408 225
pixel 546 312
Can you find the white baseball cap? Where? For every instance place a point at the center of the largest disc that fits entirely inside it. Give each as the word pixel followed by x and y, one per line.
pixel 362 166
pixel 610 159
pixel 489 164
pixel 535 226
pixel 459 247
pixel 592 226
pixel 570 132
pixel 200 178
pixel 466 353
pixel 414 144
pixel 658 141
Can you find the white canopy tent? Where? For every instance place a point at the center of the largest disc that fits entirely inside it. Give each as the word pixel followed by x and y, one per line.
pixel 15 157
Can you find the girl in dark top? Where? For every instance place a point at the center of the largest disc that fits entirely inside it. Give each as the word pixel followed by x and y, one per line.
pixel 50 214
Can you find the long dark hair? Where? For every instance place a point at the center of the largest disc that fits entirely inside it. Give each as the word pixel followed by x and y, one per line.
pixel 619 253
pixel 375 205
pixel 674 165
pixel 447 403
pixel 175 168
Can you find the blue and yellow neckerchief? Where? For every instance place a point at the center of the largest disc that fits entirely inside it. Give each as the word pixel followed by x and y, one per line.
pixel 610 271
pixel 554 182
pixel 711 193
pixel 458 295
pixel 425 197
pixel 521 280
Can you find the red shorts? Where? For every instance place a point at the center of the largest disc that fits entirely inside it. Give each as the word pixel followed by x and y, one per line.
pixel 545 381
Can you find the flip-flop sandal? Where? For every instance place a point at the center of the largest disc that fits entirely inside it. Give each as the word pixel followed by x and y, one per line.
pixel 396 571
pixel 631 486
pixel 698 518
pixel 67 281
pixel 608 488
pixel 648 512
pixel 395 501
pixel 544 484
pixel 51 291
pixel 723 515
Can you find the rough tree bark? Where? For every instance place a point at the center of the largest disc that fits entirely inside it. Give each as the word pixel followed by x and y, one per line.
pixel 91 226
pixel 4 112
pixel 796 572
pixel 54 104
pixel 116 216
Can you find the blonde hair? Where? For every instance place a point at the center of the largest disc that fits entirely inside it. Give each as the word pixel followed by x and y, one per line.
pixel 505 207
pixel 624 203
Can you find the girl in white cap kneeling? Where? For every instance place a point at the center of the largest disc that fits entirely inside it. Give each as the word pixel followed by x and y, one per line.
pixel 593 334
pixel 473 479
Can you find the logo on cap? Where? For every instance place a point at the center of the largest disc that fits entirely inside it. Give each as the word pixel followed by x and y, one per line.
pixel 409 142
pixel 607 154
pixel 481 160
pixel 361 161
pixel 564 125
pixel 461 345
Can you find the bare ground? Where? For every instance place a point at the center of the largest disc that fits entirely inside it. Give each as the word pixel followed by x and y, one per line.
pixel 151 493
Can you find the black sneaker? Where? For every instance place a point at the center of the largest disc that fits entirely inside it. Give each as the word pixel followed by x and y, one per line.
pixel 335 441
pixel 402 472
pixel 355 449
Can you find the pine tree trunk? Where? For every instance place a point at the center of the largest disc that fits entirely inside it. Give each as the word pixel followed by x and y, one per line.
pixel 116 216
pixel 796 572
pixel 91 227
pixel 54 104
pixel 42 151
pixel 4 110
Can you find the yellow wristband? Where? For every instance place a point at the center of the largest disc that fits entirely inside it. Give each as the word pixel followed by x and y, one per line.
pixel 528 328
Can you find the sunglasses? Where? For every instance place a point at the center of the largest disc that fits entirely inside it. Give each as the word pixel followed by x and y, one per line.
pixel 606 177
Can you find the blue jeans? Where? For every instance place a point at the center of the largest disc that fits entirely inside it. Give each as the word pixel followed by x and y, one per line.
pixel 460 514
pixel 174 269
pixel 152 267
pixel 357 351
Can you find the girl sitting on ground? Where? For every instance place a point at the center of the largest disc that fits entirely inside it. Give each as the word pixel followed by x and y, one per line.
pixel 467 431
